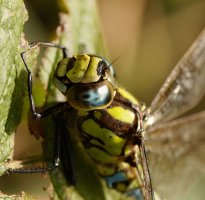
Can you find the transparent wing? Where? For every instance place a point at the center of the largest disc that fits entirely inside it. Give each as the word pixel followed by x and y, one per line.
pixel 176 154
pixel 184 87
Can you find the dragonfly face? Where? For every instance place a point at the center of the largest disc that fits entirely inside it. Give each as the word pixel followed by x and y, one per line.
pixel 87 81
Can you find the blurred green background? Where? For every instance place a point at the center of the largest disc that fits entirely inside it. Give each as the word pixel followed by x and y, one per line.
pixel 149 37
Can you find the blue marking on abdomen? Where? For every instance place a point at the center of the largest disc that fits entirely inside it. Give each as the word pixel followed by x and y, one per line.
pixel 136 194
pixel 115 178
pixel 118 177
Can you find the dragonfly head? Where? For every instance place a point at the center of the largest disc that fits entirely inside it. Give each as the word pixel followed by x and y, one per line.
pixel 88 81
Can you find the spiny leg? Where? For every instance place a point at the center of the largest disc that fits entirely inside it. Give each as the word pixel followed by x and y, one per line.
pixel 55 108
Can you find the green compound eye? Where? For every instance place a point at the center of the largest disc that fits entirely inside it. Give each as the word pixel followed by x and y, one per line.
pixel 91 96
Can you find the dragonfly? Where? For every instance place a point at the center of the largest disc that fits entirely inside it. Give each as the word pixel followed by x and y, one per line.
pixel 130 145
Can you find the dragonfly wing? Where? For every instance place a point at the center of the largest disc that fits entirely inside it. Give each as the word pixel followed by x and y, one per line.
pixel 176 153
pixel 184 87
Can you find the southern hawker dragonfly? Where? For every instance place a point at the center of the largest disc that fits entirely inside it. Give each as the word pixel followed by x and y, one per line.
pixel 174 147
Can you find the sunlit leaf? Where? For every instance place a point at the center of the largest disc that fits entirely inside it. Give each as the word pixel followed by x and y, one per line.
pixel 12 18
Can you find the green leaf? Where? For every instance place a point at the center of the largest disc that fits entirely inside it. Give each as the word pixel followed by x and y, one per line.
pixel 12 18
pixel 85 27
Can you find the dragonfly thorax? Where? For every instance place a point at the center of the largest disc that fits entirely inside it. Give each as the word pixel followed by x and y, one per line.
pixel 88 81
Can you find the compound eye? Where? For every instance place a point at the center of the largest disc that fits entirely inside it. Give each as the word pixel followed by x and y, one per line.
pixel 91 96
pixel 96 96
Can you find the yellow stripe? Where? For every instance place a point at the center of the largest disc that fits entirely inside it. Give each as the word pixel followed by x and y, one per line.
pixel 101 156
pixel 112 143
pixel 91 73
pixel 127 95
pixel 121 114
pixel 81 63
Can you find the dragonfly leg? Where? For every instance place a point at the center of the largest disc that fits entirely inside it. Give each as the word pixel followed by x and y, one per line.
pixel 63 151
pixel 62 155
pixel 25 166
pixel 53 109
pixel 38 168
pixel 47 44
pixel 30 170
